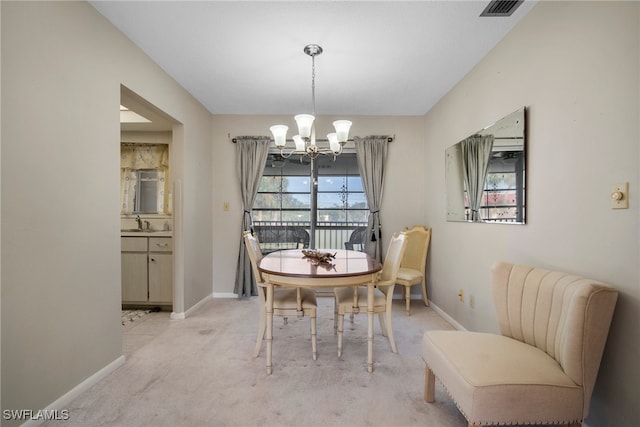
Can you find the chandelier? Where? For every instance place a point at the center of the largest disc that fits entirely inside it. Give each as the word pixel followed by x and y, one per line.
pixel 305 141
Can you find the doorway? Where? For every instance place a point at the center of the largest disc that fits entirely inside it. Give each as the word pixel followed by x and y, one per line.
pixel 150 231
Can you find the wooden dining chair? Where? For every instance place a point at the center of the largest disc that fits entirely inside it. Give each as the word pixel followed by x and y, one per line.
pixel 414 262
pixel 354 299
pixel 287 302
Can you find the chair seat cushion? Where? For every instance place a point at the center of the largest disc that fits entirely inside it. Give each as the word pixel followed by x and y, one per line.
pixel 408 275
pixel 344 299
pixel 488 371
pixel 285 298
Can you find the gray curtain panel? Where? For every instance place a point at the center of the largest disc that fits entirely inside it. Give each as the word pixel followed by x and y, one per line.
pixel 372 154
pixel 251 155
pixel 476 152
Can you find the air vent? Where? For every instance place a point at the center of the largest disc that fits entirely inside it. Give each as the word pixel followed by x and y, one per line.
pixel 501 7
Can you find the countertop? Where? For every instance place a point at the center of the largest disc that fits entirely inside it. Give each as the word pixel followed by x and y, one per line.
pixel 127 233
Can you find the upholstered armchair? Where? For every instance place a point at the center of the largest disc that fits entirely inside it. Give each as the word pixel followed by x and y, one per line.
pixel 543 366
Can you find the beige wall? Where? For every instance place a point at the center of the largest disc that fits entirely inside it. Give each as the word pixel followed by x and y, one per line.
pixel 62 67
pixel 575 66
pixel 403 202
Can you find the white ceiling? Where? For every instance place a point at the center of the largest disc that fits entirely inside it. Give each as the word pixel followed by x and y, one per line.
pixel 380 58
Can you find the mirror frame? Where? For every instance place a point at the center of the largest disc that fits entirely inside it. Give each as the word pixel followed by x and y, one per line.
pixel 509 149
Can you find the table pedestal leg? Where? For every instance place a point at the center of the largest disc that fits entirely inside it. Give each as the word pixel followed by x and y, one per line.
pixel 370 289
pixel 269 332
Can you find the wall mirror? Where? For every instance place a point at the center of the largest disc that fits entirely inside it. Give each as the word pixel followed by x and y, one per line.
pixel 144 173
pixel 485 174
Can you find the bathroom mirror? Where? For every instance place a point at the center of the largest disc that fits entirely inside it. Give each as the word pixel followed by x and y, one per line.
pixel 485 174
pixel 145 199
pixel 144 172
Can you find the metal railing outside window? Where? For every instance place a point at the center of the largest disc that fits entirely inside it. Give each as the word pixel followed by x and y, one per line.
pixel 324 196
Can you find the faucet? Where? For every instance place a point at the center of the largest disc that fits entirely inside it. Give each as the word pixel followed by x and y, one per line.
pixel 139 221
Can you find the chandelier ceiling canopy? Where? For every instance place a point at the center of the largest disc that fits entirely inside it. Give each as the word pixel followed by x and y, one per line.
pixel 305 140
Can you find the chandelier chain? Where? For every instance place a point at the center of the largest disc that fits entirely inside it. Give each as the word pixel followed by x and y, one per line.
pixel 313 83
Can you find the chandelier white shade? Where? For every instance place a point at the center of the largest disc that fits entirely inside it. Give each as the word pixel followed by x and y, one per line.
pixel 305 123
pixel 305 140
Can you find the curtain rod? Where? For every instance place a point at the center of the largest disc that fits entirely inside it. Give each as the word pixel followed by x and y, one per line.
pixel 234 140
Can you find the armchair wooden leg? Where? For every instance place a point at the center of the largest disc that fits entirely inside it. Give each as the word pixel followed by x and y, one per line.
pixel 429 385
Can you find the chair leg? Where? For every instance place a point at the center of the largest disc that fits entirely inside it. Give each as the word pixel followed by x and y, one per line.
pixel 407 297
pixel 314 342
pixel 392 341
pixel 340 331
pixel 335 315
pixel 262 326
pixel 429 385
pixel 383 325
pixel 425 297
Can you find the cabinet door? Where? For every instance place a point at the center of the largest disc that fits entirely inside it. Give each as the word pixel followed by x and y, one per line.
pixel 134 277
pixel 160 277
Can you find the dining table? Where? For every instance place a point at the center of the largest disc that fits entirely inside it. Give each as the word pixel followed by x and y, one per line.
pixel 291 268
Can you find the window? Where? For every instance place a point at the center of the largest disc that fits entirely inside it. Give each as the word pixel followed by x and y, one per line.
pixel 144 173
pixel 503 195
pixel 329 211
pixel 146 194
pixel 341 198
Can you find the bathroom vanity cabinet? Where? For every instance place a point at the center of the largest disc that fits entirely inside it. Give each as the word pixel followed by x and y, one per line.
pixel 147 270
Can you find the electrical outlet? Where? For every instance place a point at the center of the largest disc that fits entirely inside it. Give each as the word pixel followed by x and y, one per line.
pixel 472 301
pixel 461 295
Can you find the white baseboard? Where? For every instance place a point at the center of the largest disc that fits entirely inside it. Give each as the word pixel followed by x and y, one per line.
pixel 191 310
pixel 63 402
pixel 437 309
pixel 225 295
pixel 446 317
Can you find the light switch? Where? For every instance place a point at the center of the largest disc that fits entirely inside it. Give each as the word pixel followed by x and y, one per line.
pixel 225 206
pixel 620 195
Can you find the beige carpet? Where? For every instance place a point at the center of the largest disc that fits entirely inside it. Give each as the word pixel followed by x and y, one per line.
pixel 200 372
